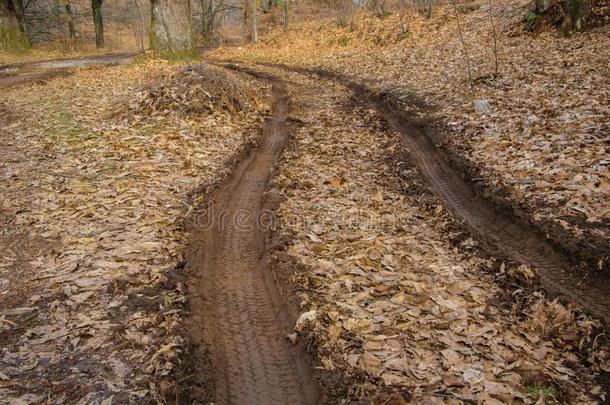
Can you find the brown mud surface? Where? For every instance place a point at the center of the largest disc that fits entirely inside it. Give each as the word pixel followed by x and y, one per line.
pixel 511 236
pixel 239 320
pixel 586 252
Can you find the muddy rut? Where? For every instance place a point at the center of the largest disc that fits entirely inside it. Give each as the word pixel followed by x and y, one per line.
pixel 501 230
pixel 244 321
pixel 514 239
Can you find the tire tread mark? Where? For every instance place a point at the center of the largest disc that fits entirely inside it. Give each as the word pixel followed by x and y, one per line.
pixel 253 361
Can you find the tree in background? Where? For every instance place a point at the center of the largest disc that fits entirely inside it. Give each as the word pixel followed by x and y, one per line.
pixel 211 13
pixel 208 17
pixel 426 7
pixel 377 7
pixel 171 32
pixel 69 18
pixel 568 15
pixel 138 23
pixel 98 22
pixel 250 19
pixel 286 16
pixel 268 5
pixel 576 14
pixel 345 17
pixel 404 25
pixel 12 26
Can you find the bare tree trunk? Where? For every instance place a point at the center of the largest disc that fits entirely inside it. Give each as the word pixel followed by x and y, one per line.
pixel 12 28
pixel 251 20
pixel 495 38
pixel 466 55
pixel 542 6
pixel 346 13
pixel 576 11
pixel 286 16
pixel 205 20
pixel 404 25
pixel 171 32
pixel 138 25
pixel 209 10
pixel 70 15
pixel 98 21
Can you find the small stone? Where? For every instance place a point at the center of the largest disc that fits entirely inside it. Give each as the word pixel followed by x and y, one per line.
pixel 481 105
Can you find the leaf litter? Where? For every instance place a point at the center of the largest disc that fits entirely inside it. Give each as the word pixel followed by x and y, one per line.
pixel 91 283
pixel 387 299
pixel 535 137
pixel 93 204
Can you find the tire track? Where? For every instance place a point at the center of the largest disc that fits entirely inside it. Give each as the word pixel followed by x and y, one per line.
pixel 500 229
pixel 244 321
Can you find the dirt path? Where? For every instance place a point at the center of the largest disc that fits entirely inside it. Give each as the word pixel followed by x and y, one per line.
pixel 245 323
pixel 45 70
pixel 395 284
pixel 500 230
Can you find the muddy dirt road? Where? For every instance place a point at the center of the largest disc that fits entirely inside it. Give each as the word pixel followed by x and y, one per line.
pixel 245 323
pixel 44 70
pixel 501 231
pixel 343 158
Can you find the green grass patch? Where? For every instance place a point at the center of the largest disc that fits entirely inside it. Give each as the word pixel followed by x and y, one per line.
pixel 547 392
pixel 62 129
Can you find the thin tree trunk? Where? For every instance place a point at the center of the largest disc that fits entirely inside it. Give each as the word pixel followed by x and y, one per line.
pixel 208 17
pixel 466 55
pixel 253 22
pixel 205 31
pixel 12 27
pixel 346 13
pixel 136 22
pixel 98 21
pixel 404 25
pixel 171 32
pixel 493 31
pixel 286 16
pixel 71 28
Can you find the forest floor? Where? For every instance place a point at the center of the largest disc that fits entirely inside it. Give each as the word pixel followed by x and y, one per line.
pixel 256 233
pixel 395 300
pixel 99 169
pixel 534 137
